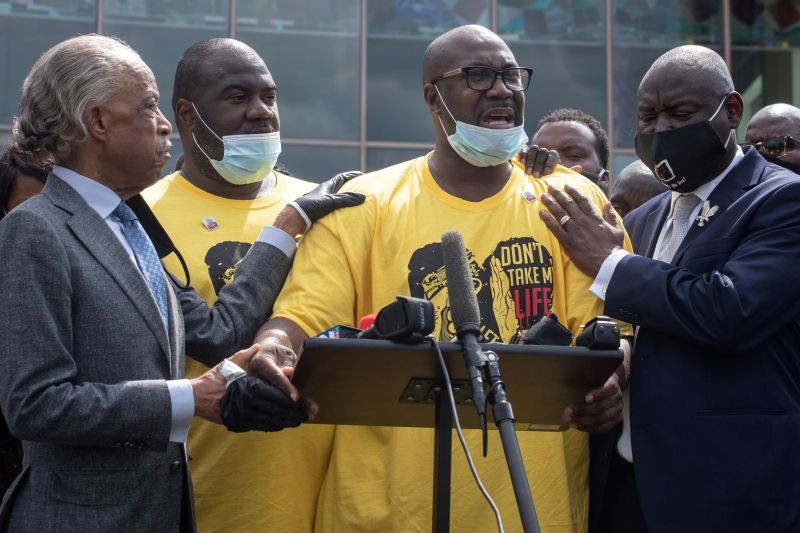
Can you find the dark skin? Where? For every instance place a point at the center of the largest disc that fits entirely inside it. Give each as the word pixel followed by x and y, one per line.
pixel 575 144
pixel 451 172
pixel 280 338
pixel 670 96
pixel 239 97
pixel 777 120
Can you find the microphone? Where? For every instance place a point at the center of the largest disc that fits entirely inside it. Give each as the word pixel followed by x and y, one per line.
pixel 406 319
pixel 465 312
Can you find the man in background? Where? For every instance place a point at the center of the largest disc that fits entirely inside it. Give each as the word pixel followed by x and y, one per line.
pixel 634 185
pixel 775 132
pixel 580 141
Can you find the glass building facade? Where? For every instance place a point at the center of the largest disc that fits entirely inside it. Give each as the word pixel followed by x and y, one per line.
pixel 349 71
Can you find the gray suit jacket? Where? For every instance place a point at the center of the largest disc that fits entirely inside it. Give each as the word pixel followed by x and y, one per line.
pixel 84 356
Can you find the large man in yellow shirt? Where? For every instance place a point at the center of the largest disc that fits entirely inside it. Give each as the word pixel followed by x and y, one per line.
pixel 215 207
pixel 355 261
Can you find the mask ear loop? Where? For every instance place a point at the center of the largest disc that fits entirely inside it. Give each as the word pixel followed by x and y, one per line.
pixel 209 129
pixel 732 131
pixel 446 109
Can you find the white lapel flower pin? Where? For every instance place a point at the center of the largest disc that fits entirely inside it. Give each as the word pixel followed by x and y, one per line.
pixel 706 212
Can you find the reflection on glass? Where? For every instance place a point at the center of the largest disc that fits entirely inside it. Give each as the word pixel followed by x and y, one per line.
pixel 176 13
pixel 571 76
pixel 580 20
pixel 766 22
pixel 424 17
pixel 29 28
pixel 317 163
pixel 287 15
pixel 84 9
pixel 667 22
pixel 765 77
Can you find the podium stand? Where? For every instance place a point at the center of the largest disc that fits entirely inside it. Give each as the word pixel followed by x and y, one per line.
pixel 383 383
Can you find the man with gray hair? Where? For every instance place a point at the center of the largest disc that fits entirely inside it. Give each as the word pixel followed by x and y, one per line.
pixel 92 352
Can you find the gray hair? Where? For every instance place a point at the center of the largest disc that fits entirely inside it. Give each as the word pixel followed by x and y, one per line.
pixel 69 78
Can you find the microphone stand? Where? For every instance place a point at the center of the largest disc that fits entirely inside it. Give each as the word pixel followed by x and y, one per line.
pixel 504 419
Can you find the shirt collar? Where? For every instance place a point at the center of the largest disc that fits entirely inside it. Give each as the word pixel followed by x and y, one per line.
pixel 704 191
pixel 98 196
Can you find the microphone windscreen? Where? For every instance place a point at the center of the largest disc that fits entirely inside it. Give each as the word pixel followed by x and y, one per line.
pixel 367 321
pixel 460 288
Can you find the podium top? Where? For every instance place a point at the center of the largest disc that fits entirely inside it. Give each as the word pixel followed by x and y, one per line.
pixel 384 383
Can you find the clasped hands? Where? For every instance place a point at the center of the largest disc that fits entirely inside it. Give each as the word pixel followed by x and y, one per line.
pixel 263 400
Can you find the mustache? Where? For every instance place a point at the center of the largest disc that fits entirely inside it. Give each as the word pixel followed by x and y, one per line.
pixel 164 147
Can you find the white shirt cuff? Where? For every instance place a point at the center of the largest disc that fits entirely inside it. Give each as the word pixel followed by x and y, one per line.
pixel 279 239
pixel 181 398
pixel 603 278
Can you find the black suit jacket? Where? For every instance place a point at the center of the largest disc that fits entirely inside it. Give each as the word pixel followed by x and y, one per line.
pixel 715 390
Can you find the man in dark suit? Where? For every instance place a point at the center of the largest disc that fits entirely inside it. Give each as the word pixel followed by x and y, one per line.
pixel 715 387
pixel 91 354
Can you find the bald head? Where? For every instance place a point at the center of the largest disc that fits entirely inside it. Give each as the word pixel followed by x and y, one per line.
pixel 776 121
pixel 701 67
pixel 200 65
pixel 634 186
pixel 446 52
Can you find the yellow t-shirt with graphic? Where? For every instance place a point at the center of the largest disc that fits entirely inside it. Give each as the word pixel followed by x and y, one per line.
pixel 355 261
pixel 252 481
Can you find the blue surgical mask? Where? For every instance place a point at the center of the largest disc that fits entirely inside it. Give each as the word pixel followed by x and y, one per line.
pixel 484 147
pixel 246 158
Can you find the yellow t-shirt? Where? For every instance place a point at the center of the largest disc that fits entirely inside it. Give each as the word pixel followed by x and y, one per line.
pixel 253 481
pixel 355 261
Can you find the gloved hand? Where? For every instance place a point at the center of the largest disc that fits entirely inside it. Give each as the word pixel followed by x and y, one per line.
pixel 250 403
pixel 323 199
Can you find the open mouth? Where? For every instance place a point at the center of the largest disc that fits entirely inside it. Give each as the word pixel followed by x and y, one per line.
pixel 498 118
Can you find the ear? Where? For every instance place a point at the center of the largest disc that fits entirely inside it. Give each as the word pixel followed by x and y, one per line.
pixel 734 105
pixel 604 181
pixel 185 115
pixel 97 121
pixel 432 99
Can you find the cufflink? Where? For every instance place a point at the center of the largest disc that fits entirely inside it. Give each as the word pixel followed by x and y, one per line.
pixel 231 372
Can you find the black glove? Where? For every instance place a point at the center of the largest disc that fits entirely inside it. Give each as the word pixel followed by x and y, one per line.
pixel 250 403
pixel 323 199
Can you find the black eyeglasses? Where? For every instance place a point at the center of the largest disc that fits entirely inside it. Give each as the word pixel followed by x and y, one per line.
pixel 775 146
pixel 483 78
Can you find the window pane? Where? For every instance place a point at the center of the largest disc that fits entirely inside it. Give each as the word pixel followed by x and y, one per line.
pixel 564 75
pixel 568 20
pixel 667 23
pixel 313 54
pixel 28 30
pixel 318 163
pixel 161 31
pixel 378 158
pixel 775 23
pixel 424 17
pixel 765 76
pixel 399 32
pixel 329 15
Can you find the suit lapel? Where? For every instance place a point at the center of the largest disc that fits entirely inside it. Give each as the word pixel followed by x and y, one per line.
pixel 100 241
pixel 745 175
pixel 655 221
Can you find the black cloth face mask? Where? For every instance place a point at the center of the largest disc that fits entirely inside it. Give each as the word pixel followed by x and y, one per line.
pixel 684 158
